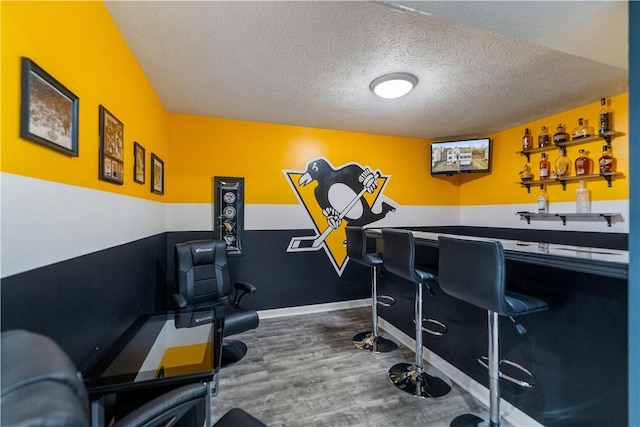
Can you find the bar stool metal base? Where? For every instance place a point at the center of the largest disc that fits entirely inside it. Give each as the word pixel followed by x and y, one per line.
pixel 366 341
pixel 469 420
pixel 420 384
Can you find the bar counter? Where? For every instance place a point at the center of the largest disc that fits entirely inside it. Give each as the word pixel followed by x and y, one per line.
pixel 577 350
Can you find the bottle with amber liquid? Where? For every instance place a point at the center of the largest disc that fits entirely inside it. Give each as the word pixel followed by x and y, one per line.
pixel 583 130
pixel 606 118
pixel 527 140
pixel 544 139
pixel 562 165
pixel 584 165
pixel 606 161
pixel 561 135
pixel 545 167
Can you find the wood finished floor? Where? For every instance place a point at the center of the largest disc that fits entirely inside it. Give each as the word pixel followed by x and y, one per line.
pixel 304 371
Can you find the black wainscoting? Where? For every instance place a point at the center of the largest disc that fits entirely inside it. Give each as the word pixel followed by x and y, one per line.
pixel 84 303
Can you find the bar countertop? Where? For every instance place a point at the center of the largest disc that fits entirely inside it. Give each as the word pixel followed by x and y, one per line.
pixel 597 261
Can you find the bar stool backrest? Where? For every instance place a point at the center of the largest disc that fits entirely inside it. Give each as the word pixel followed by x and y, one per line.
pixel 398 252
pixel 357 245
pixel 473 270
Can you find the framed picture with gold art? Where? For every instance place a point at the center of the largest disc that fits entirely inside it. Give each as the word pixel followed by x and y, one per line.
pixel 157 174
pixel 111 147
pixel 138 163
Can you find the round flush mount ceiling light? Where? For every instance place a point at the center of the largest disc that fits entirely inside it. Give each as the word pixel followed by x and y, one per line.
pixel 393 85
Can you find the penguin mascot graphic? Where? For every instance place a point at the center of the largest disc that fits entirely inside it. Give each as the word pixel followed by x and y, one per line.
pixel 340 194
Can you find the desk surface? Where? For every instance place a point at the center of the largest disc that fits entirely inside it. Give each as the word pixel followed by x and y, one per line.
pixel 603 262
pixel 158 350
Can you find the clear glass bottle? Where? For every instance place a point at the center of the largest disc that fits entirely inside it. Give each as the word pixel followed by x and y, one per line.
pixel 584 165
pixel 606 118
pixel 583 130
pixel 606 161
pixel 545 167
pixel 543 200
pixel 527 140
pixel 561 134
pixel 544 139
pixel 562 165
pixel 583 199
pixel 526 175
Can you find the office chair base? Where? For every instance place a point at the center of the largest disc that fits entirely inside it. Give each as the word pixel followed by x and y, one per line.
pixel 469 420
pixel 366 341
pixel 232 352
pixel 420 384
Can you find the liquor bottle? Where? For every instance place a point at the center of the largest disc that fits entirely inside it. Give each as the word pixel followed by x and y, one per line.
pixel 583 130
pixel 606 161
pixel 584 165
pixel 527 140
pixel 561 135
pixel 606 118
pixel 543 138
pixel 583 199
pixel 545 167
pixel 562 165
pixel 543 200
pixel 526 175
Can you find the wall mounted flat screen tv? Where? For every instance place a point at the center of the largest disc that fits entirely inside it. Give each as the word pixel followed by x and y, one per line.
pixel 463 156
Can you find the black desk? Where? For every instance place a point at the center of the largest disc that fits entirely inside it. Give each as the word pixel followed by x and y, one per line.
pixel 159 350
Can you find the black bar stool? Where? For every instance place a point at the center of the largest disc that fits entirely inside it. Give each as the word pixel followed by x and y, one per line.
pixel 357 251
pixel 398 252
pixel 473 270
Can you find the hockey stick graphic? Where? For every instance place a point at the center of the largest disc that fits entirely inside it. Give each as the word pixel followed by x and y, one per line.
pixel 313 243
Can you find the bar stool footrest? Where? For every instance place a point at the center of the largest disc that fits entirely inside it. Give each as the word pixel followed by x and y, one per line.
pixel 529 383
pixel 385 300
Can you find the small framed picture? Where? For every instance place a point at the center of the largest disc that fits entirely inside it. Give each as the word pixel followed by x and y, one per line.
pixel 157 175
pixel 48 111
pixel 111 147
pixel 138 163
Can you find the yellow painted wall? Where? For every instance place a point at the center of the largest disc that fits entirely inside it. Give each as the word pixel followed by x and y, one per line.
pixel 500 186
pixel 79 45
pixel 203 147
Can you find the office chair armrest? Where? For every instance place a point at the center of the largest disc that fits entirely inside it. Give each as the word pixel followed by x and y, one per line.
pixel 180 301
pixel 243 288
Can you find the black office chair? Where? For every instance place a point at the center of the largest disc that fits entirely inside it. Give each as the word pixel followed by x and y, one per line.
pixel 398 252
pixel 202 279
pixel 357 252
pixel 42 387
pixel 473 270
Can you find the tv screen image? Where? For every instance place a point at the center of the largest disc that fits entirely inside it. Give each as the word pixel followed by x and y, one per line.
pixel 464 156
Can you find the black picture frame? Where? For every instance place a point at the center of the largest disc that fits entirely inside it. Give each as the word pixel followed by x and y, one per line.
pixel 228 196
pixel 157 174
pixel 139 160
pixel 48 110
pixel 111 157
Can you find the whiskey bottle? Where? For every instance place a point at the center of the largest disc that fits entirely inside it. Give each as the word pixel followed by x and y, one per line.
pixel 606 161
pixel 583 199
pixel 526 175
pixel 606 118
pixel 562 165
pixel 561 135
pixel 545 167
pixel 543 138
pixel 583 130
pixel 527 140
pixel 543 200
pixel 584 165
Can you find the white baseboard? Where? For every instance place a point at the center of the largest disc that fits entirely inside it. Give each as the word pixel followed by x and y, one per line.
pixel 508 412
pixel 315 308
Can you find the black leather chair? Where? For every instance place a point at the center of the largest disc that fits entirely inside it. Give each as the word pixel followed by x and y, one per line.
pixel 357 252
pixel 398 252
pixel 42 387
pixel 202 280
pixel 473 270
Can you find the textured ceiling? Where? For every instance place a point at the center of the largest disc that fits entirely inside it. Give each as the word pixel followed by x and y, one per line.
pixel 482 66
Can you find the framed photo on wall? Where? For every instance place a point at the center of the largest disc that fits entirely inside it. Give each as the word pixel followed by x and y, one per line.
pixel 157 174
pixel 111 147
pixel 48 110
pixel 138 163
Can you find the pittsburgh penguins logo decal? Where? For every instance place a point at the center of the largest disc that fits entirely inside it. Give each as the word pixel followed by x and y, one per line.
pixel 335 198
